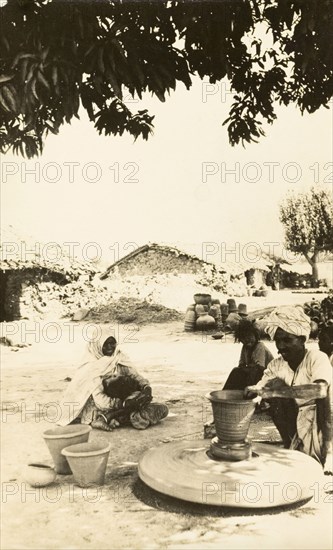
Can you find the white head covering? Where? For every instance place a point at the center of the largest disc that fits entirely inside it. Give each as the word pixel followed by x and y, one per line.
pixel 95 341
pixel 291 319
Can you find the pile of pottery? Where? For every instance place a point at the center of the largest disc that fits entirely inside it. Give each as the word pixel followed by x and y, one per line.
pixel 207 314
pixel 204 314
pixel 320 313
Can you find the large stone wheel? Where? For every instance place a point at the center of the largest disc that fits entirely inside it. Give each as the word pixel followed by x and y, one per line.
pixel 272 477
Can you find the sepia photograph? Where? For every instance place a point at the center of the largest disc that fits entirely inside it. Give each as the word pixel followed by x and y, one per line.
pixel 166 274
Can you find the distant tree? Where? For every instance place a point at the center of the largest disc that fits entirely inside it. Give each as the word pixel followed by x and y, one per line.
pixel 308 224
pixel 59 55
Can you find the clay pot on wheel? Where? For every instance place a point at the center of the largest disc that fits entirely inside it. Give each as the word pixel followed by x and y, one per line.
pixel 232 415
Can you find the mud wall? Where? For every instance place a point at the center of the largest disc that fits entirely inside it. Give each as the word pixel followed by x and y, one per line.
pixel 159 262
pixel 22 292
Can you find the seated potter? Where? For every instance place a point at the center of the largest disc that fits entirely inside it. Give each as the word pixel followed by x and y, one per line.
pixel 253 360
pixel 304 424
pixel 107 391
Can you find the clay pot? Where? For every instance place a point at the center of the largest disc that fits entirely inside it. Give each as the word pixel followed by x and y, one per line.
pixel 199 309
pixel 215 311
pixel 59 438
pixel 205 322
pixel 232 306
pixel 88 462
pixel 225 309
pixel 190 318
pixel 232 415
pixel 203 299
pixel 39 475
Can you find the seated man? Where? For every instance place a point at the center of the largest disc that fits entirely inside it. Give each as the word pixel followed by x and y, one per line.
pixel 304 423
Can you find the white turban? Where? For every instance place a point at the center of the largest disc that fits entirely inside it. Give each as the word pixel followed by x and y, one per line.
pixel 291 319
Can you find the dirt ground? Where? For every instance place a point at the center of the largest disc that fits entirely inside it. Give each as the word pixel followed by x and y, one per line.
pixel 125 513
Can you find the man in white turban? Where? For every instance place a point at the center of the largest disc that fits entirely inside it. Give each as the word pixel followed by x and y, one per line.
pixel 304 424
pixel 291 319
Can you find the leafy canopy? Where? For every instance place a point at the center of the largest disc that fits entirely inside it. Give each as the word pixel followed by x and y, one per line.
pixel 308 222
pixel 56 56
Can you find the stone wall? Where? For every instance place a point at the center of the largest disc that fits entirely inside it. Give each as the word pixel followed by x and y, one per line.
pixel 22 293
pixel 160 263
pixel 153 262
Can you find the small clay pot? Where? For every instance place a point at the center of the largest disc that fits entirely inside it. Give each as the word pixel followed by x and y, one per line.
pixel 224 311
pixel 39 475
pixel 215 312
pixel 62 436
pixel 88 462
pixel 203 299
pixel 190 318
pixel 200 309
pixel 205 322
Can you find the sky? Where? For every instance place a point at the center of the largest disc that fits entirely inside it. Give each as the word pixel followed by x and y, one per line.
pixel 185 185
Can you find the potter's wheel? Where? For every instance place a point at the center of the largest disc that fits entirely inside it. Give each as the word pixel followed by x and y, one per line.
pixel 271 477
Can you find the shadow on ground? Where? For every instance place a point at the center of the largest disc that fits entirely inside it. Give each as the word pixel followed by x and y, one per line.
pixel 166 503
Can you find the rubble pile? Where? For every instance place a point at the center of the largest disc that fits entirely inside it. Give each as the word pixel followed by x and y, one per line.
pixel 124 302
pixel 131 310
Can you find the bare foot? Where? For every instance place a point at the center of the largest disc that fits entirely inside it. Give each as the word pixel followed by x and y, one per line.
pixel 100 424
